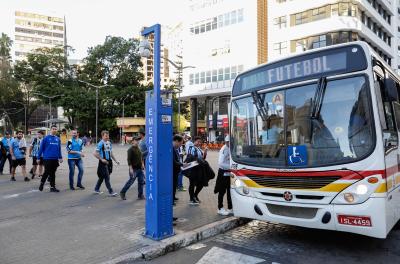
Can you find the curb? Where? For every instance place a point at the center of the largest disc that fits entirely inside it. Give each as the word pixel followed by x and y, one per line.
pixel 180 240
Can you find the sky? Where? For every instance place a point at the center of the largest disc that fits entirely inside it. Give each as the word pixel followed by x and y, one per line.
pixel 90 21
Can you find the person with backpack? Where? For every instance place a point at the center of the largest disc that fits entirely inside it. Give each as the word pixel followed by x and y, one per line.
pixel 37 162
pixel 6 153
pixel 74 149
pixel 105 156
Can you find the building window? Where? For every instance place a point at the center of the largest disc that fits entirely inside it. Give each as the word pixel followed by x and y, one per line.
pixel 280 22
pixel 280 47
pixel 227 74
pixel 227 19
pixel 233 17
pixel 220 74
pixel 233 72
pixel 214 75
pixel 208 77
pixel 196 78
pixel 191 79
pixel 319 41
pixel 301 18
pixel 318 13
pixel 202 77
pixel 240 15
pixel 214 23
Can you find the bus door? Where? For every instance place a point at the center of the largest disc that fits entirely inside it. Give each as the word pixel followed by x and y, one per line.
pixel 387 98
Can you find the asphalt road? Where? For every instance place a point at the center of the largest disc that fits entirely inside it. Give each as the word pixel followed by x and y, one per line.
pixel 78 226
pixel 261 242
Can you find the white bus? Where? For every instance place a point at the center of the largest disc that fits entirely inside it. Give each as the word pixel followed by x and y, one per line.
pixel 315 141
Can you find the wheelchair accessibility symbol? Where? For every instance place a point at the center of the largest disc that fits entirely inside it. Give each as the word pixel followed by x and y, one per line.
pixel 297 155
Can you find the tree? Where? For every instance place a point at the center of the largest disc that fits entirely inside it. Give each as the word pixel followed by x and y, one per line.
pixel 10 91
pixel 115 62
pixel 41 72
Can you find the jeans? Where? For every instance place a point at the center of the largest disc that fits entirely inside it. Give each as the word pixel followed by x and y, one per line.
pixel 3 162
pixel 104 175
pixel 132 177
pixel 180 180
pixel 50 168
pixel 71 164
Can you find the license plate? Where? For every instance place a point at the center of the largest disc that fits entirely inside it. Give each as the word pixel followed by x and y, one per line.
pixel 354 220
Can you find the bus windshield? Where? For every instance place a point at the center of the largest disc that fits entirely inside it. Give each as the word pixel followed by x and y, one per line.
pixel 279 128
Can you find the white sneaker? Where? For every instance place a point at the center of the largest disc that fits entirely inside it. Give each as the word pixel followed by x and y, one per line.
pixel 223 212
pixel 113 194
pixel 193 202
pixel 97 192
pixel 230 211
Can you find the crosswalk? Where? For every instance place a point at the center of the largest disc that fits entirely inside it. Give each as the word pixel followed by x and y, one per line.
pixel 223 256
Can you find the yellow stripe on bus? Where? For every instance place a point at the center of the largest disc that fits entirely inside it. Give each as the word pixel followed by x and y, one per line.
pixel 381 188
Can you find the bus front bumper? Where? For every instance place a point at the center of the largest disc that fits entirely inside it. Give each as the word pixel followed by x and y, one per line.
pixel 319 216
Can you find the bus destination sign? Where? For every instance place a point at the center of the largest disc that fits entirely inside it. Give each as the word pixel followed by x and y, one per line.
pixel 300 68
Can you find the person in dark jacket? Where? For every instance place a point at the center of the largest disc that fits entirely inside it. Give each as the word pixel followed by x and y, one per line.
pixel 198 177
pixel 50 148
pixel 177 142
pixel 135 163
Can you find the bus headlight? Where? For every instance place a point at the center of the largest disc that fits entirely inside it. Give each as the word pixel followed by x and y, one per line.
pixel 359 192
pixel 240 187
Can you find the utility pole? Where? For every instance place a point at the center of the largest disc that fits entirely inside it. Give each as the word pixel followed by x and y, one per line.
pixel 97 87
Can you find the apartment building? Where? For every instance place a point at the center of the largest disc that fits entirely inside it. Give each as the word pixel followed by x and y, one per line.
pixel 298 25
pixel 33 31
pixel 221 38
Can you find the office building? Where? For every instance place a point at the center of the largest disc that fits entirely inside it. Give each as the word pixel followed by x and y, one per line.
pixel 221 39
pixel 296 26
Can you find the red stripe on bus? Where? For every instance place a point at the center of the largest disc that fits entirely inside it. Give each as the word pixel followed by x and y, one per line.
pixel 344 174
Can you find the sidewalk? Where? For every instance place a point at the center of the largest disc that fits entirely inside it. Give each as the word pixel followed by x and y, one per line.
pixel 80 227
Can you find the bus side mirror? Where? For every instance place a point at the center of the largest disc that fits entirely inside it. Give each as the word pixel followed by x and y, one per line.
pixel 391 90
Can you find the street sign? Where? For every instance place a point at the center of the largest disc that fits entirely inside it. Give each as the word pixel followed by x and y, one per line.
pixel 159 160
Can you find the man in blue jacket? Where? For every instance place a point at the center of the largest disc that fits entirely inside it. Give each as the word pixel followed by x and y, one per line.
pixel 50 148
pixel 75 155
pixel 6 145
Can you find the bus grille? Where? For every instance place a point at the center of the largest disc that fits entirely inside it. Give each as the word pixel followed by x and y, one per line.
pixel 293 182
pixel 290 211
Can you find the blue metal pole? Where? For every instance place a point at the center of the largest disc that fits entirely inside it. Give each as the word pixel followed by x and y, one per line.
pixel 159 161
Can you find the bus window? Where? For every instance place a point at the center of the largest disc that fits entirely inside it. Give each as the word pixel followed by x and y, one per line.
pixel 387 96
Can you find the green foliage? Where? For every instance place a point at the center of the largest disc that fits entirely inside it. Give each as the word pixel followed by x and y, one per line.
pixel 11 95
pixel 115 62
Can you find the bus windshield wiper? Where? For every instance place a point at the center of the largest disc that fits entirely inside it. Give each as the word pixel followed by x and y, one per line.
pixel 318 98
pixel 261 107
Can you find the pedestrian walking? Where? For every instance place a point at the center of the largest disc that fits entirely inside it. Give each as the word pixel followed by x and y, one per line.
pixel 181 152
pixel 177 142
pixel 50 149
pixel 74 148
pixel 37 162
pixel 177 164
pixel 223 183
pixel 136 166
pixel 6 156
pixel 18 151
pixel 143 146
pixel 198 176
pixel 104 169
